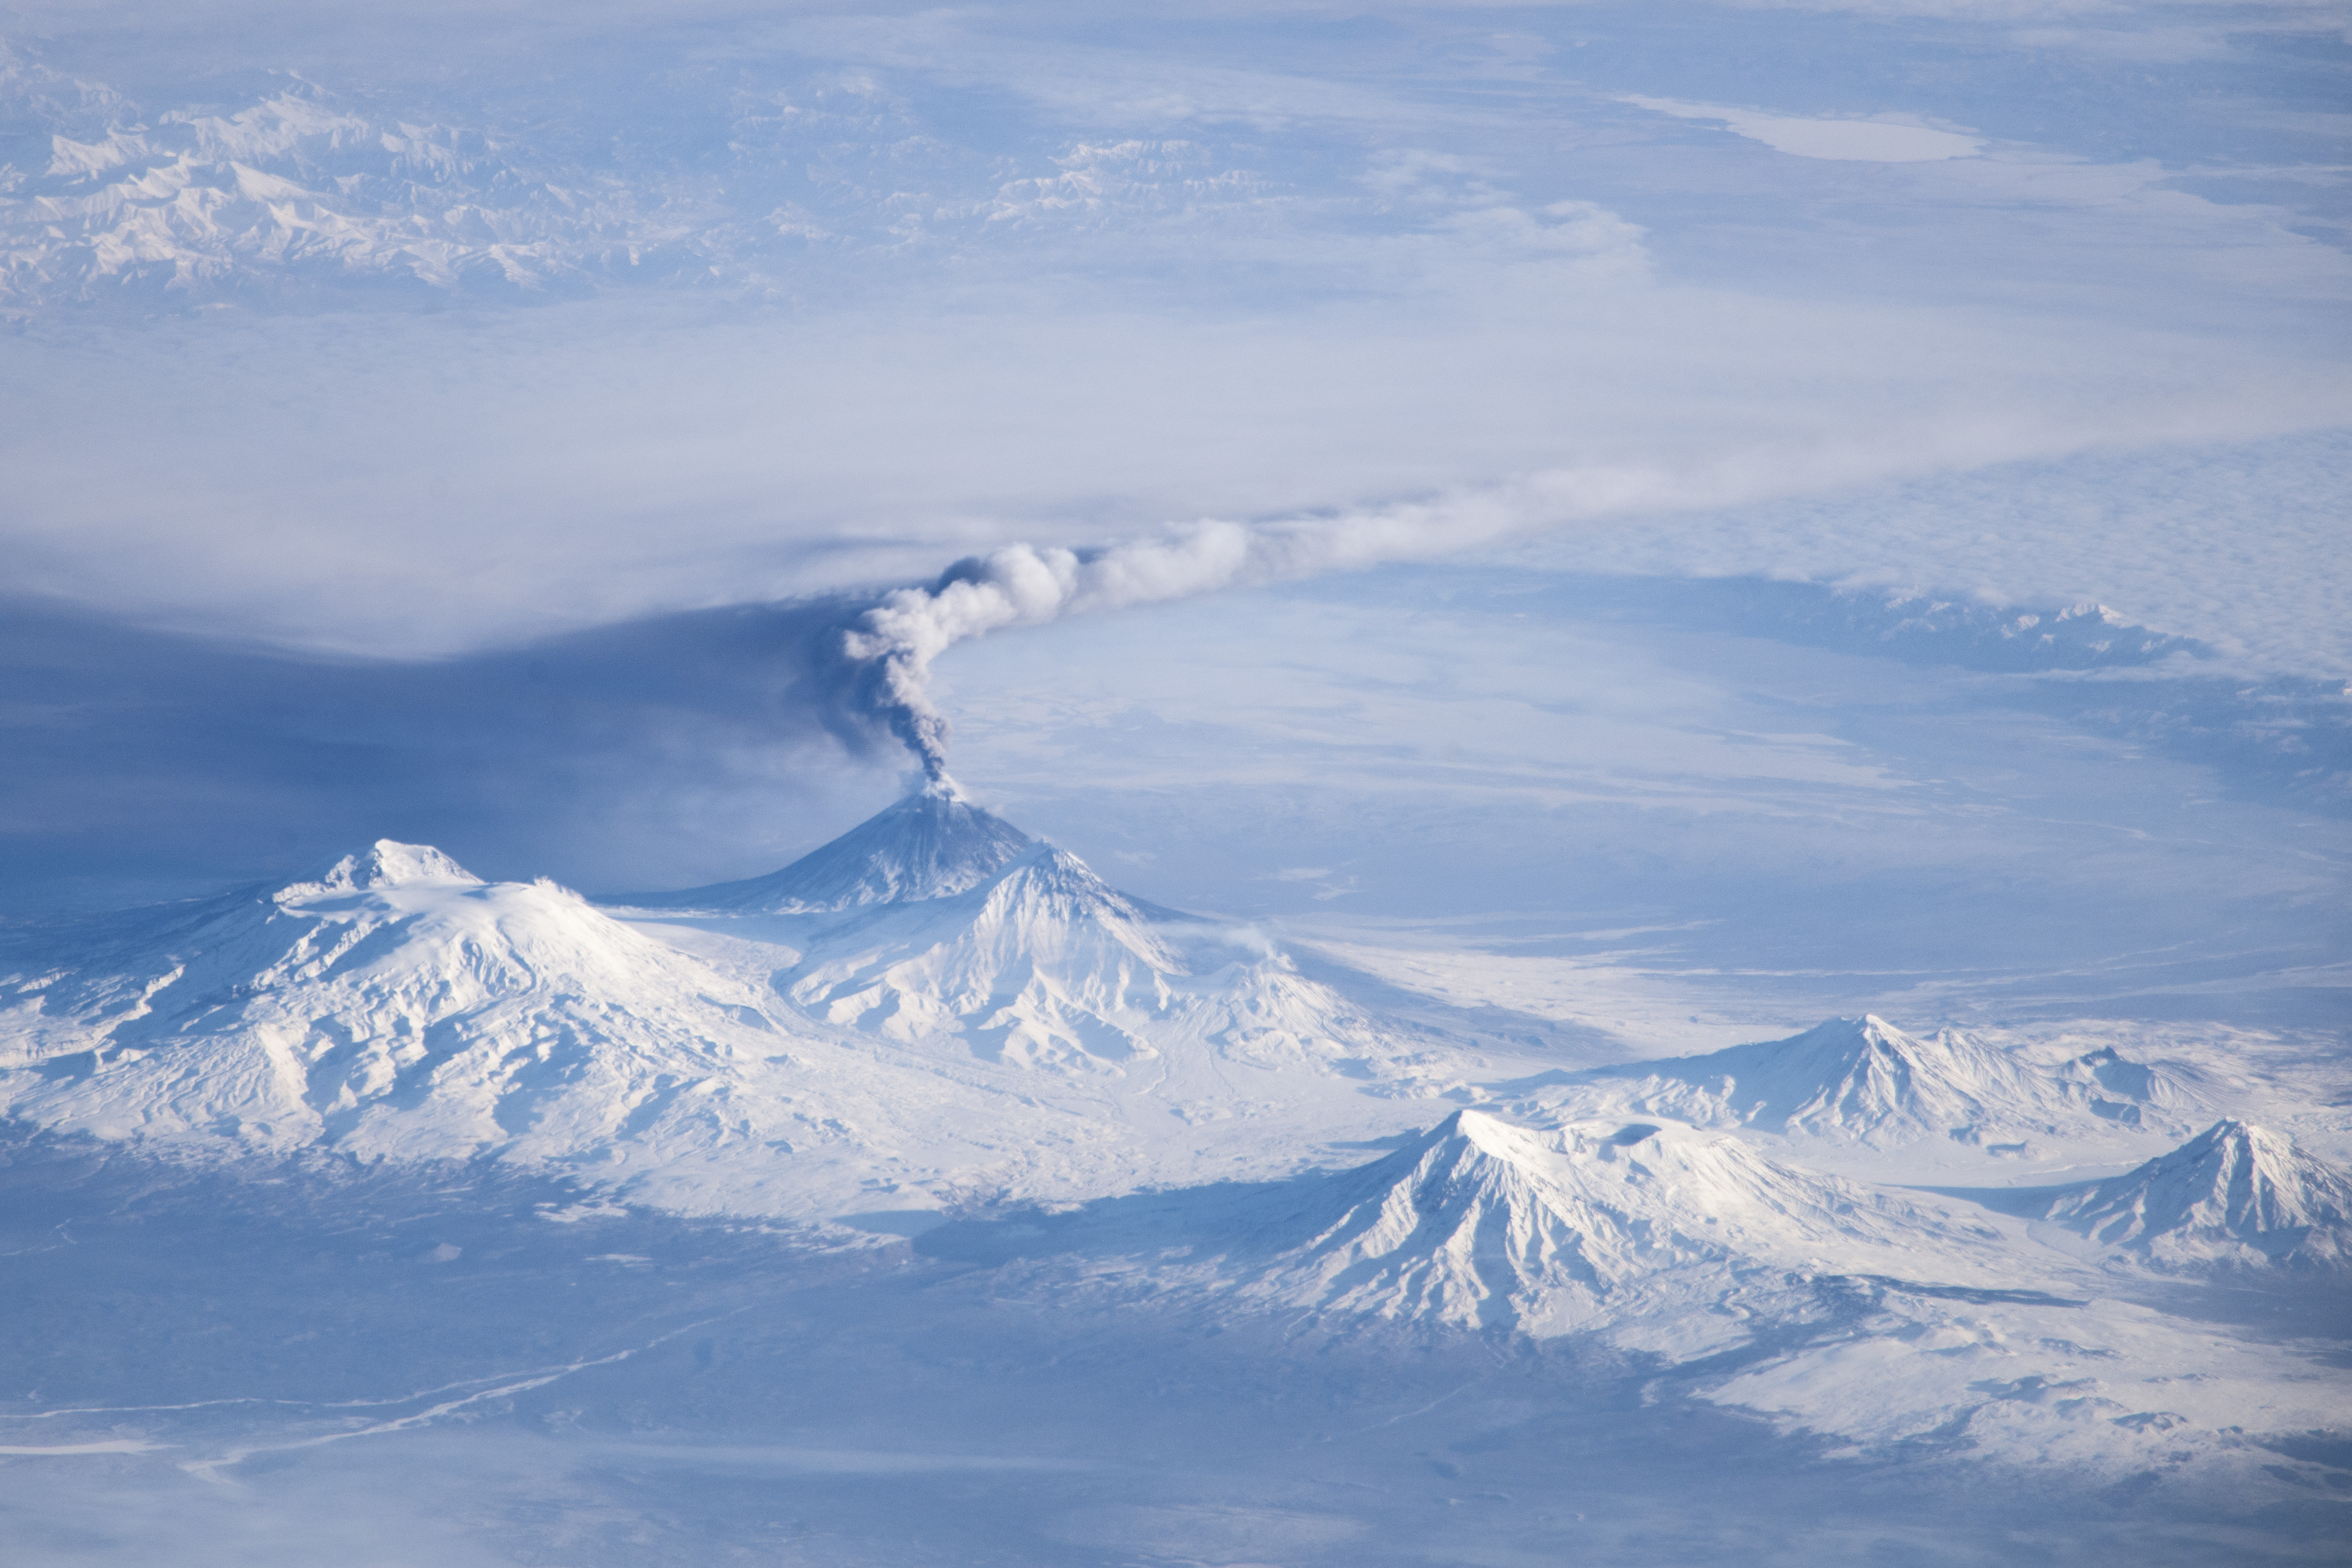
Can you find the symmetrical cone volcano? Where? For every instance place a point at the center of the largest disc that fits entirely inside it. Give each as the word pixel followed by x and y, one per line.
pixel 931 845
pixel 2232 1196
pixel 1482 1223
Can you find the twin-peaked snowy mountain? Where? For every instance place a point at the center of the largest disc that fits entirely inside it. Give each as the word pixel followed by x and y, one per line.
pixel 393 1005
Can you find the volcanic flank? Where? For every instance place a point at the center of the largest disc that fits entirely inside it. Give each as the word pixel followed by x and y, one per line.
pixel 937 924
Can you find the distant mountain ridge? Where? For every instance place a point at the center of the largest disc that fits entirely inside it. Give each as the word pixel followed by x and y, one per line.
pixel 1863 1080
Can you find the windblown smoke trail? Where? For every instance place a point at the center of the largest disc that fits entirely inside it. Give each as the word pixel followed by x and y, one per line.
pixel 1022 584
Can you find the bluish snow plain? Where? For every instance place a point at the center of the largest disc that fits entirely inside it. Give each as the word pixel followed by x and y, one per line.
pixel 1771 985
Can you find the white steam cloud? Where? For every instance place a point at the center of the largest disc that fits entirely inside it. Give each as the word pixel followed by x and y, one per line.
pixel 894 643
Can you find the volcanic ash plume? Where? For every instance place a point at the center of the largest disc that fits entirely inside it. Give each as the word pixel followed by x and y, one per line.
pixel 1021 584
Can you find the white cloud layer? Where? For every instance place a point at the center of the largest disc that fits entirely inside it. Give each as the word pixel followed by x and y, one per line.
pixel 1882 140
pixel 849 294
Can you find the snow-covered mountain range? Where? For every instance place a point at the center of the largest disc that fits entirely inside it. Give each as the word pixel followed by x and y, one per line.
pixel 299 190
pixel 936 1016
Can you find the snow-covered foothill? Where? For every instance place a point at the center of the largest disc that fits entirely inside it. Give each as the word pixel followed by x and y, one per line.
pixel 2068 1377
pixel 2134 1094
pixel 2234 1196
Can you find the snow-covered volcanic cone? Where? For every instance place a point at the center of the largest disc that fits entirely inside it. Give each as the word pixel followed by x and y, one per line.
pixel 1685 1240
pixel 931 844
pixel 2234 1196
pixel 1864 1082
pixel 939 923
pixel 1481 1224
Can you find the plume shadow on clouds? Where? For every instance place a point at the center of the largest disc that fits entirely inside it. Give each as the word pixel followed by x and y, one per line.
pixel 144 763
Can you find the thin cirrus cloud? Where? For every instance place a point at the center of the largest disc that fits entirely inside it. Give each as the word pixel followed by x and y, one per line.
pixel 1886 138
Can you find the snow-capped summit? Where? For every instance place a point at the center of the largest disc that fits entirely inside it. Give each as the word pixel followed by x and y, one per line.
pixel 383 864
pixel 1854 1079
pixel 2136 1094
pixel 1043 963
pixel 395 1005
pixel 931 845
pixel 2233 1195
pixel 1482 1224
